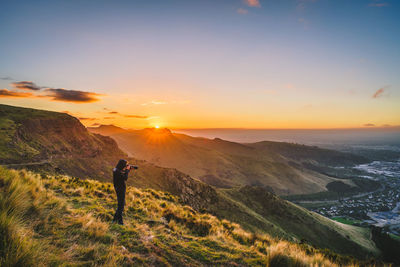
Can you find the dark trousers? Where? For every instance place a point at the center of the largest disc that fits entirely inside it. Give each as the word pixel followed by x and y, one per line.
pixel 120 190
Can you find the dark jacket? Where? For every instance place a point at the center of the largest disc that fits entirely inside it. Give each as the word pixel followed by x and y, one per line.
pixel 119 177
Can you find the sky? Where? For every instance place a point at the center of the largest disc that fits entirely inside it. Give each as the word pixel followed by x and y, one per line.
pixel 205 64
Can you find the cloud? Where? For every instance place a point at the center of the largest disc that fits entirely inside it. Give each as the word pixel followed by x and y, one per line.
pixel 152 117
pixel 369 125
pixel 380 92
pixel 124 115
pixel 86 119
pixel 26 85
pixel 6 78
pixel 155 102
pixel 378 4
pixel 108 118
pixel 252 3
pixel 55 94
pixel 74 96
pixel 242 11
pixel 8 93
pixel 96 124
pixel 135 116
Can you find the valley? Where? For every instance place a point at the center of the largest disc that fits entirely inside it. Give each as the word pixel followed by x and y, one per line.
pixel 379 207
pixel 241 183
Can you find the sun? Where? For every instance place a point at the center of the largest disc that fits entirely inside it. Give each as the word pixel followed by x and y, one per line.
pixel 157 126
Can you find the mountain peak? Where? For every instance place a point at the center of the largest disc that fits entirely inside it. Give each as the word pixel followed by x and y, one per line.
pixel 158 130
pixel 106 129
pixel 108 126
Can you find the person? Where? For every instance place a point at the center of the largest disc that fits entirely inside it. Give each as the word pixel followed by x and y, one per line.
pixel 120 175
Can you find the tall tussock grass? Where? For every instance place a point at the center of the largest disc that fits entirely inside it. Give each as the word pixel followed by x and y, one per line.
pixel 16 246
pixel 59 220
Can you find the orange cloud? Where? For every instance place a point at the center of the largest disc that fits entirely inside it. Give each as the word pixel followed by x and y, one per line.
pixel 252 3
pixel 155 102
pixel 124 115
pixel 8 93
pixel 135 116
pixel 86 119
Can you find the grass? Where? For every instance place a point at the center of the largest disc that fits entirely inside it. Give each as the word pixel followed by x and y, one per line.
pixel 296 224
pixel 59 220
pixel 346 220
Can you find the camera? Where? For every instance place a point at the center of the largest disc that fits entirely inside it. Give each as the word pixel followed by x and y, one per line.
pixel 133 167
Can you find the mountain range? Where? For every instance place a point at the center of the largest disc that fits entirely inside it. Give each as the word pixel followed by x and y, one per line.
pixel 283 168
pixel 54 143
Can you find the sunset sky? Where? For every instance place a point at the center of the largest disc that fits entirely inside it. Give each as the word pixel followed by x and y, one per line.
pixel 205 64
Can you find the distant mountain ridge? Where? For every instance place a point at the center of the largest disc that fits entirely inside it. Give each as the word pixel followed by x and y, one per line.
pixel 58 142
pixel 228 164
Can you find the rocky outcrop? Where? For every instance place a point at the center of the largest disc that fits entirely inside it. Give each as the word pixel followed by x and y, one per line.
pixel 192 192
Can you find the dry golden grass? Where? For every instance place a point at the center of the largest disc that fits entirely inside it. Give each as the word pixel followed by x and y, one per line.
pixel 47 220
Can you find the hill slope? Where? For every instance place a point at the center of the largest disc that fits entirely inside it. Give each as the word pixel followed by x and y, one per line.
pixel 56 141
pixel 227 164
pixel 228 204
pixel 60 220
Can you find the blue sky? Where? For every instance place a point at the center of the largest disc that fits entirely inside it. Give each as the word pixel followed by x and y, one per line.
pixel 257 64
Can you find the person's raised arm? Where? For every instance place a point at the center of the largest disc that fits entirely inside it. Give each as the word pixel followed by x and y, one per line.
pixel 126 172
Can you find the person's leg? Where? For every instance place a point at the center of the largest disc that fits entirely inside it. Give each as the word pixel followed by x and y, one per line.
pixel 121 204
pixel 118 212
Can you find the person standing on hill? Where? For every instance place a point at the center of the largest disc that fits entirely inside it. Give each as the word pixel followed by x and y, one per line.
pixel 120 175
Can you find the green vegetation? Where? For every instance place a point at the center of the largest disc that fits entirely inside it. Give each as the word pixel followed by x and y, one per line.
pixel 286 220
pixel 346 220
pixel 59 220
pixel 11 118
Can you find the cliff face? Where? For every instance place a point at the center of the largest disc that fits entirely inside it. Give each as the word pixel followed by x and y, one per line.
pixel 59 136
pixel 55 142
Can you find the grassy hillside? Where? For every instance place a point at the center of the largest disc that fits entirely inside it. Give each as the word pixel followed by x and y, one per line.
pixel 85 155
pixel 54 141
pixel 218 162
pixel 66 221
pixel 302 225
